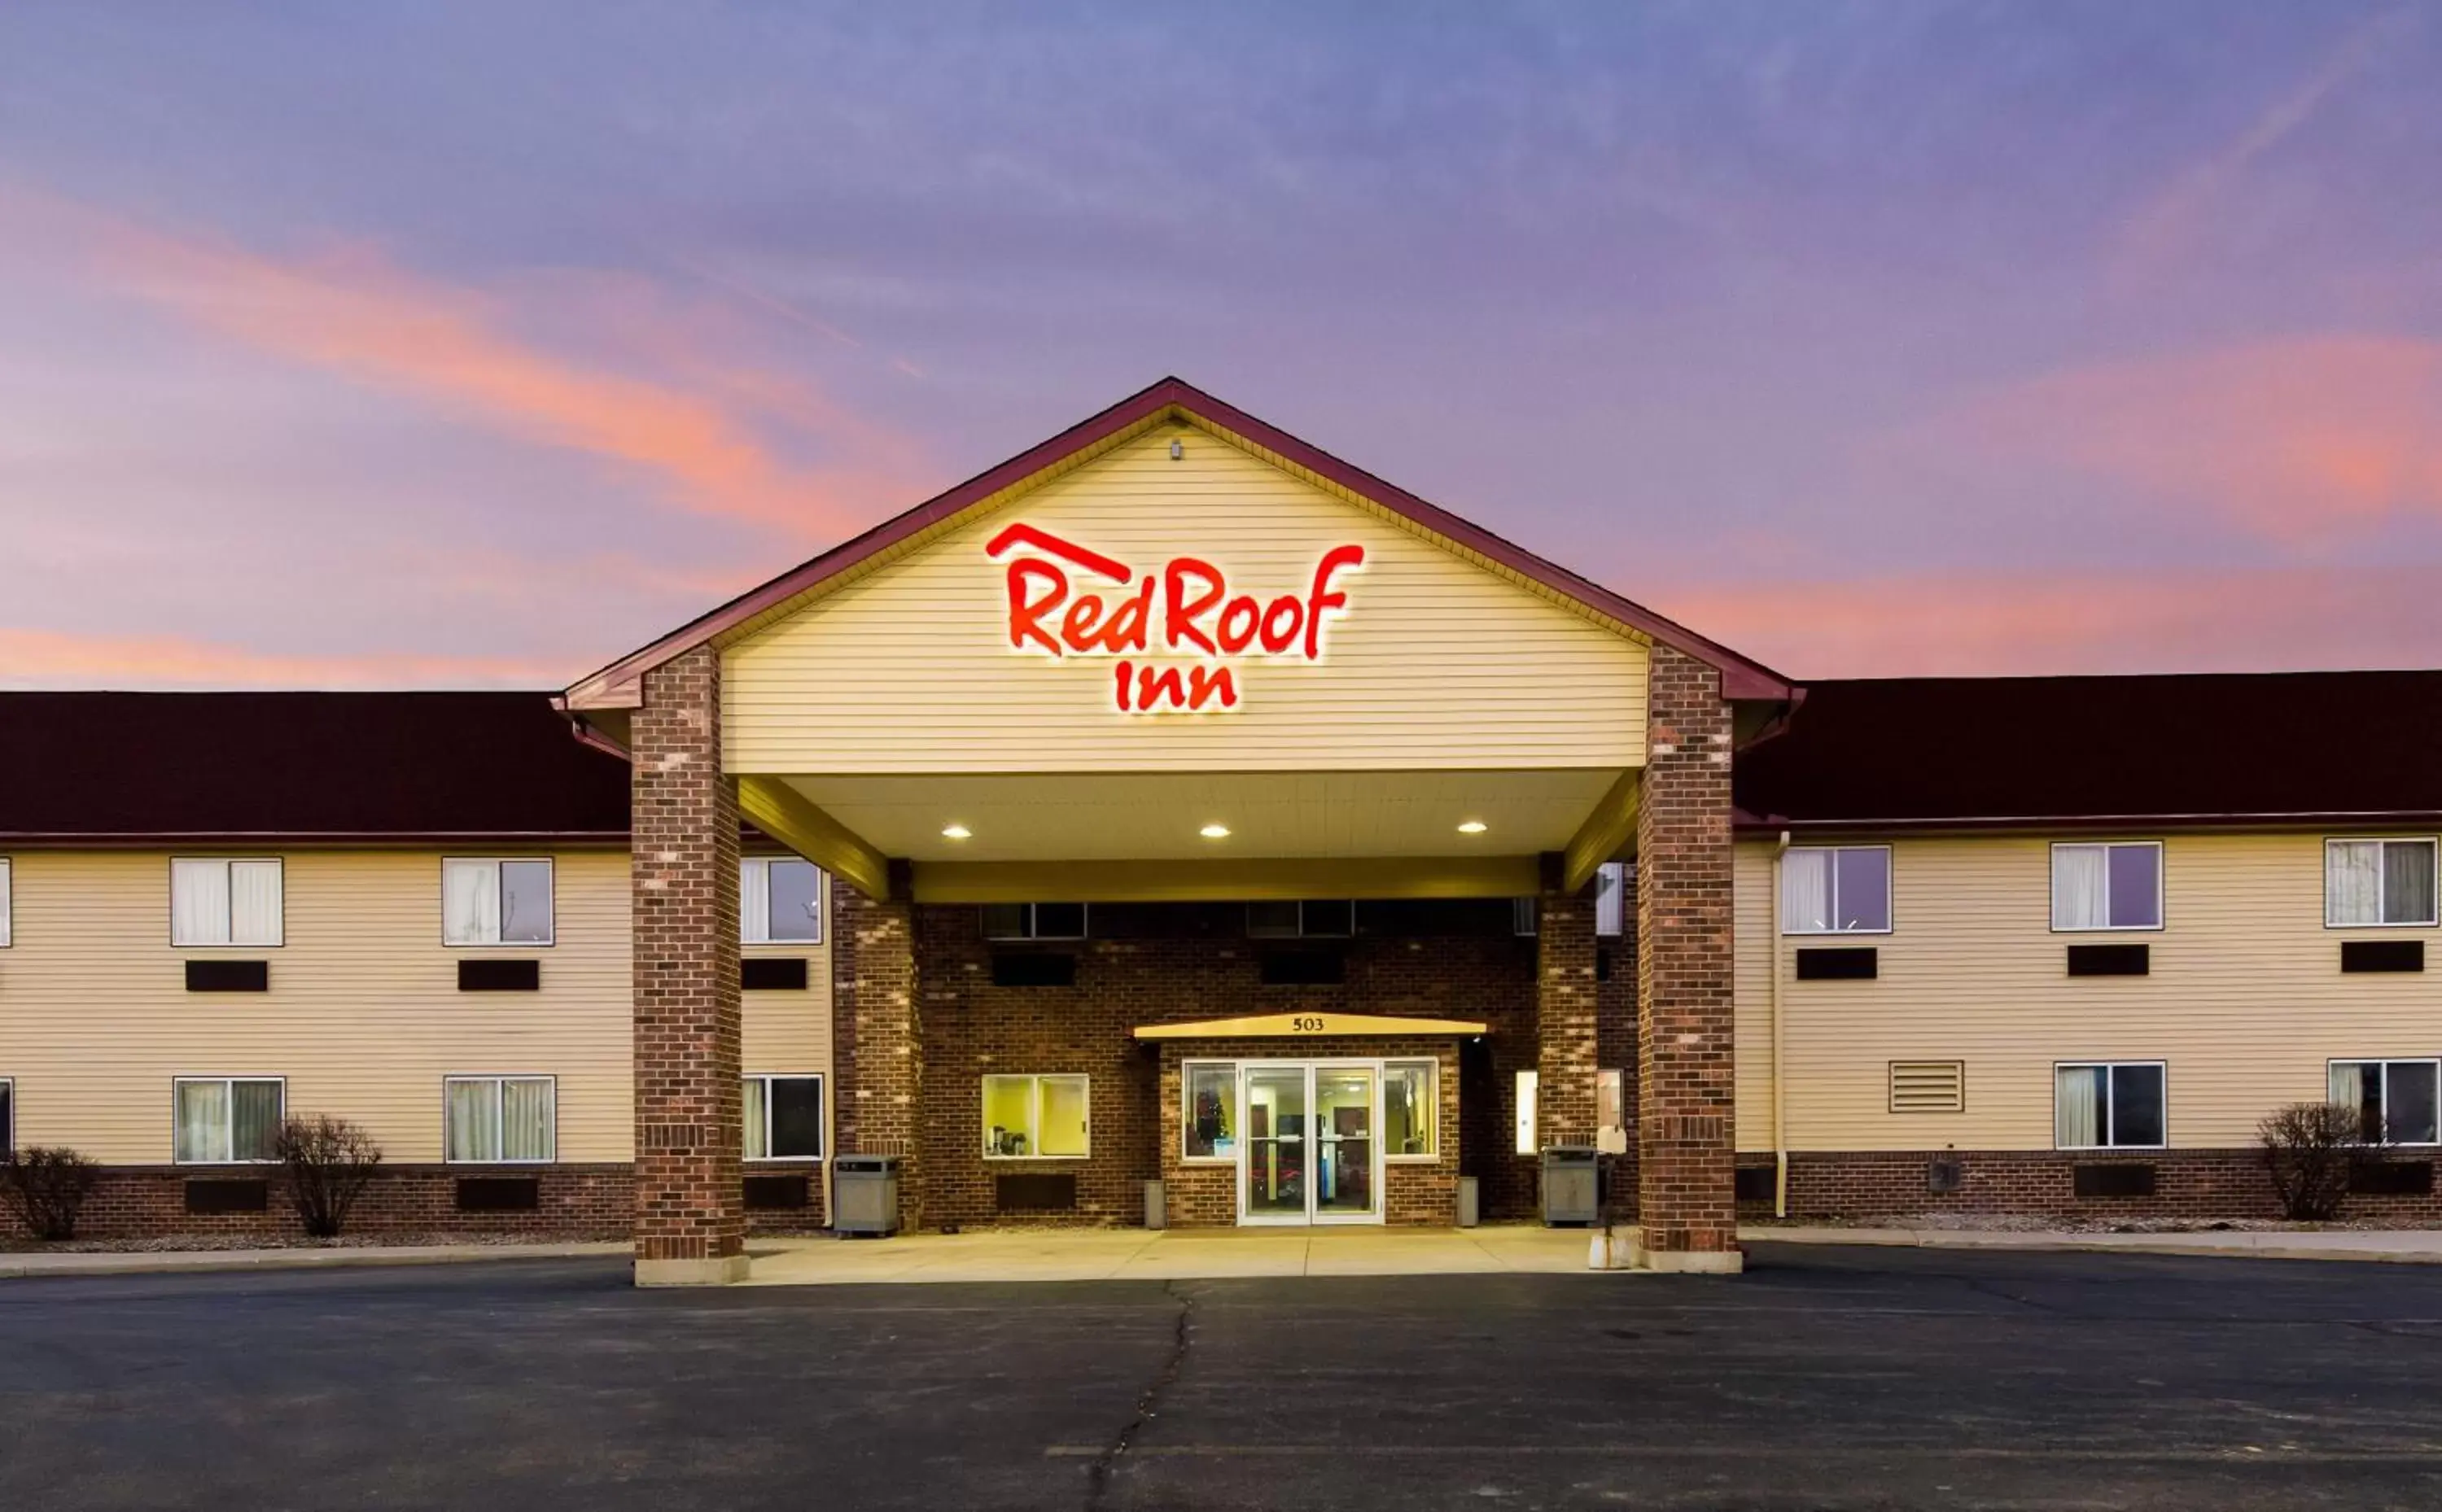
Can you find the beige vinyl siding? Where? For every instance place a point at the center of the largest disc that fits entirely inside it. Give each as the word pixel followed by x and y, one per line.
pixel 2245 1001
pixel 1436 663
pixel 791 1033
pixel 364 1018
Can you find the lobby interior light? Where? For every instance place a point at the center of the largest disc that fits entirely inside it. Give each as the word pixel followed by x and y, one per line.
pixel 1214 831
pixel 1472 826
pixel 955 831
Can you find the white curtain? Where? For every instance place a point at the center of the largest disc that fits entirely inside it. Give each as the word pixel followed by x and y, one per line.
pixel 753 902
pixel 2352 882
pixel 254 1120
pixel 254 903
pixel 2077 1107
pixel 1806 892
pixel 758 1143
pixel 470 902
pixel 202 1133
pixel 2408 882
pixel 1062 1126
pixel 526 1119
pixel 199 902
pixel 2348 1090
pixel 474 1120
pixel 2080 887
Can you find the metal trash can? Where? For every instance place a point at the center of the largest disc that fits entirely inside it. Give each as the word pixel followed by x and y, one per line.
pixel 1468 1209
pixel 1157 1206
pixel 865 1194
pixel 1572 1188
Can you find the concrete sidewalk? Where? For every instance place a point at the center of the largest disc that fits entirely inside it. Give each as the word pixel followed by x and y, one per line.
pixel 2396 1245
pixel 15 1264
pixel 1137 1254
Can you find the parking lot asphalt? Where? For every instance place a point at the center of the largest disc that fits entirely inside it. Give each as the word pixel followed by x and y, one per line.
pixel 1822 1378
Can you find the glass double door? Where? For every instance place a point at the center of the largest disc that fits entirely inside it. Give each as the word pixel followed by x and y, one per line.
pixel 1312 1151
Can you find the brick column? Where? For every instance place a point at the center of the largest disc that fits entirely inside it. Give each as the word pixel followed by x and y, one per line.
pixel 1688 1217
pixel 1564 1016
pixel 690 1228
pixel 878 1041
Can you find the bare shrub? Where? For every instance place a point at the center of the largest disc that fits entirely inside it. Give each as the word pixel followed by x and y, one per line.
pixel 46 1187
pixel 2309 1148
pixel 329 1162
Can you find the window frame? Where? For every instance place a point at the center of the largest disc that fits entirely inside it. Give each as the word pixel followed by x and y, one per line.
pixel 230 1142
pixel 2386 1063
pixel 823 1094
pixel 231 943
pixel 1187 1110
pixel 496 862
pixel 2434 845
pixel 1033 926
pixel 1433 1100
pixel 1035 1112
pixel 2110 1115
pixel 1890 890
pixel 1302 930
pixel 2162 887
pixel 500 1080
pixel 761 867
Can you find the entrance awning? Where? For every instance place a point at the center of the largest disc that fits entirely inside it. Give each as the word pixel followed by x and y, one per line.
pixel 1309 1026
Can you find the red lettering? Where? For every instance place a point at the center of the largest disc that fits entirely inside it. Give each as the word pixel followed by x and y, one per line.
pixel 1211 684
pixel 1160 684
pixel 1050 545
pixel 1026 614
pixel 1277 636
pixel 1079 625
pixel 1327 597
pixel 1178 614
pixel 1235 641
pixel 1126 631
pixel 1119 676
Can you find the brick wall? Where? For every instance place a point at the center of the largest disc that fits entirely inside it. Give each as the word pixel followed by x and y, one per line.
pixel 595 1201
pixel 1567 1013
pixel 2229 1183
pixel 1686 1032
pixel 878 1041
pixel 1153 963
pixel 684 814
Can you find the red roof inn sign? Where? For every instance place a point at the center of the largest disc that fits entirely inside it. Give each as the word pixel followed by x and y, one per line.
pixel 1185 613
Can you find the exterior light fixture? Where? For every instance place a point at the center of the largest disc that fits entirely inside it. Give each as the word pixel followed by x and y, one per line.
pixel 955 831
pixel 1472 826
pixel 1214 831
pixel 1177 449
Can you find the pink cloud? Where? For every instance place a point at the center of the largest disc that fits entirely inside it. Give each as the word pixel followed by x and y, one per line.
pixel 39 658
pixel 1993 623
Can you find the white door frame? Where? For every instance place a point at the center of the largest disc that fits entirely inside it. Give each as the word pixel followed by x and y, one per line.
pixel 1313 1216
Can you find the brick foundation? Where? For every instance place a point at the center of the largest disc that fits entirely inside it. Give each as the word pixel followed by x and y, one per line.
pixel 2229 1183
pixel 1686 1028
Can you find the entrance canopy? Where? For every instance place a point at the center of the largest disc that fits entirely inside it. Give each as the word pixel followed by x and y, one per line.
pixel 1175 653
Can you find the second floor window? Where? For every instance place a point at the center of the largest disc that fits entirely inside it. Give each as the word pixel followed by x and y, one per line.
pixel 494 903
pixel 225 902
pixel 2107 886
pixel 1836 890
pixel 1308 919
pixel 2377 882
pixel 1034 921
pixel 779 901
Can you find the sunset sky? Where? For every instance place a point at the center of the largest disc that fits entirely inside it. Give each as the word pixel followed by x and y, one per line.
pixel 422 345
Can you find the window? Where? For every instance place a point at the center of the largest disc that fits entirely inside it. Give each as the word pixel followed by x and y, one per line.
pixel 1526 916
pixel 1410 1111
pixel 1034 921
pixel 222 1120
pixel 1029 1118
pixel 1611 1100
pixel 501 1119
pixel 1208 1114
pixel 1307 919
pixel 784 1118
pixel 2104 1106
pixel 779 901
pixel 1836 890
pixel 4 909
pixel 2395 1099
pixel 1611 898
pixel 2377 882
pixel 2115 887
pixel 494 903
pixel 225 902
pixel 1527 1082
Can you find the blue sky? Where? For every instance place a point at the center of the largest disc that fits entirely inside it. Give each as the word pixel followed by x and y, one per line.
pixel 377 344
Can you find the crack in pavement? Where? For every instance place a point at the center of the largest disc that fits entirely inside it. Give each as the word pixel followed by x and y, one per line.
pixel 1098 1474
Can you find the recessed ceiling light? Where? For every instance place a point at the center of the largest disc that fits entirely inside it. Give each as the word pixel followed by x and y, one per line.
pixel 1214 831
pixel 955 831
pixel 1474 827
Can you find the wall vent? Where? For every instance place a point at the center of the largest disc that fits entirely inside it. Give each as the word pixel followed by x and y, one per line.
pixel 771 973
pixel 1928 1087
pixel 2382 955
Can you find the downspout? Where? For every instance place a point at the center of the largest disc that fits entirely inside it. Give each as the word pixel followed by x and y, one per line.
pixel 1779 1082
